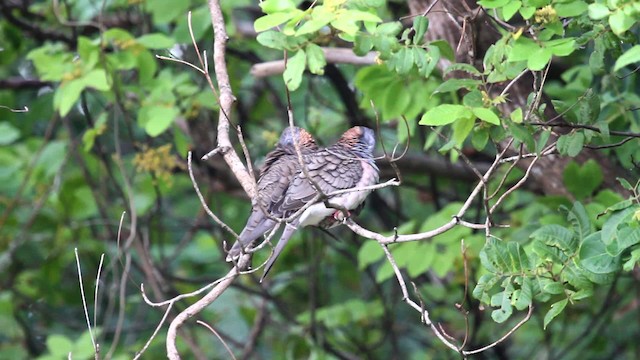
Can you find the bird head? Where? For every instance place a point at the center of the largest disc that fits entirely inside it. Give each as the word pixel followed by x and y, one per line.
pixel 295 134
pixel 360 139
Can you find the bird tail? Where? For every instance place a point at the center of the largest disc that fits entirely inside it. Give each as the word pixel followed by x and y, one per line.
pixel 289 229
pixel 256 226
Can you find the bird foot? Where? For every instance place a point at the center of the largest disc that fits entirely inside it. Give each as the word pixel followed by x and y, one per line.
pixel 339 216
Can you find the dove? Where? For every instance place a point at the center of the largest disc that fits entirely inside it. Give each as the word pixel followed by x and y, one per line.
pixel 280 166
pixel 348 164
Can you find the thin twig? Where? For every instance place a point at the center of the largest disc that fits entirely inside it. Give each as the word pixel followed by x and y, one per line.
pixel 84 300
pixel 218 336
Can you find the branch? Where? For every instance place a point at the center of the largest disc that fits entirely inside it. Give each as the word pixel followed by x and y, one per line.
pixel 332 55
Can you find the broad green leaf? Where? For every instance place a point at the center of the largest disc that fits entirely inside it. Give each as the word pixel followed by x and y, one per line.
pixel 561 47
pixel 272 20
pixel 516 116
pixel 555 310
pixel 96 79
pixel 273 6
pixel 579 219
pixel 461 129
pixel 404 60
pixel 629 57
pixel 557 236
pixel 610 227
pixel 598 11
pixel 493 4
pixel 59 345
pixel 527 12
pixel 315 59
pixel 370 252
pixel 571 9
pixel 445 114
pixel 457 84
pixel 553 287
pixel 160 119
pixel 620 22
pixel 539 59
pixel 523 297
pixel 522 134
pixel 486 115
pixel 358 15
pixel 420 26
pixel 523 49
pixel 320 17
pixel 502 299
pixel 8 133
pixel 594 256
pixel 295 68
pixel 164 11
pixel 444 49
pixel 571 144
pixel 510 9
pixel 156 41
pixel 67 95
pixel 480 138
pixel 583 180
pixel 345 24
pixel 462 67
pixel 389 28
pixel 272 39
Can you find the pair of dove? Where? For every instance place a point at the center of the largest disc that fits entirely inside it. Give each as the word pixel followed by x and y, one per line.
pixel 283 187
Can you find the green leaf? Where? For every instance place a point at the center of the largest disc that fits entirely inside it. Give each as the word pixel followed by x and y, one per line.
pixel 66 95
pixel 571 9
pixel 320 17
pixel 273 6
pixel 493 4
pixel 315 59
pixel 96 79
pixel 461 129
pixel 502 299
pixel 59 345
pixel 523 297
pixel 272 20
pixel 510 9
pixel 160 119
pixel 156 41
pixel 610 227
pixel 555 310
pixel 444 48
pixel 486 115
pixel 362 44
pixel 480 138
pixel 527 12
pixel 462 67
pixel 358 15
pixel 579 219
pixel 598 11
pixel 295 68
pixel 420 25
pixel 594 256
pixel 516 116
pixel 370 252
pixel 523 49
pixel 556 236
pixel 620 22
pixel 456 84
pixel 445 114
pixel 521 134
pixel 8 133
pixel 389 28
pixel 553 288
pixel 163 12
pixel 539 59
pixel 272 39
pixel 571 144
pixel 345 24
pixel 589 108
pixel 629 57
pixel 404 60
pixel 583 180
pixel 561 47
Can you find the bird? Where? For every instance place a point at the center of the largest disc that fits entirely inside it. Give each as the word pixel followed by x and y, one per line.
pixel 279 168
pixel 347 164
